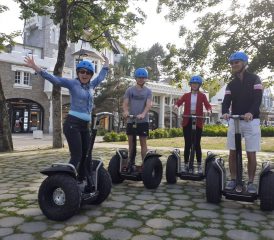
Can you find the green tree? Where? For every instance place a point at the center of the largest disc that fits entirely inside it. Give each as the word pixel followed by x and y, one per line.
pixel 109 97
pixel 90 20
pixel 152 60
pixel 246 25
pixel 6 144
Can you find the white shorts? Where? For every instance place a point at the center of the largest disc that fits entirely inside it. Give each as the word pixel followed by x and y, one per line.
pixel 250 131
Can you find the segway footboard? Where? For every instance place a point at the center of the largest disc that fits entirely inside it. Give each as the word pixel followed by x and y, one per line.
pixel 57 168
pixel 191 176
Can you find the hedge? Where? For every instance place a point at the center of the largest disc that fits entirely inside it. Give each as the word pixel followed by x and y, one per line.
pixel 209 131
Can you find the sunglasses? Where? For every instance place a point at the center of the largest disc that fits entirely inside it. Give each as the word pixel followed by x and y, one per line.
pixel 234 62
pixel 82 71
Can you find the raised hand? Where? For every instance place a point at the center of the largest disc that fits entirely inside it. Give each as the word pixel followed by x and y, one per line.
pixel 106 64
pixel 29 62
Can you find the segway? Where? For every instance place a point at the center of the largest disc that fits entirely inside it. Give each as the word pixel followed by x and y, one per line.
pixel 174 166
pixel 216 178
pixel 62 193
pixel 121 167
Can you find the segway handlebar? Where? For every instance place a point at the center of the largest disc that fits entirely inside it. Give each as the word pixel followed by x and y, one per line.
pixel 235 116
pixel 193 116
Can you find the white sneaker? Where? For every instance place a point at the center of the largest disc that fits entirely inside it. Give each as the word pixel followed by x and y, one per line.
pixel 200 169
pixel 185 169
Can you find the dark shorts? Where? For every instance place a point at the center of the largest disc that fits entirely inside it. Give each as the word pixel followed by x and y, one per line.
pixel 142 129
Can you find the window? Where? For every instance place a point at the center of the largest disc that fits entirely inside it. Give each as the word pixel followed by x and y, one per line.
pixel 174 100
pixel 167 100
pixel 156 99
pixel 95 64
pixel 26 78
pixel 17 77
pixel 22 78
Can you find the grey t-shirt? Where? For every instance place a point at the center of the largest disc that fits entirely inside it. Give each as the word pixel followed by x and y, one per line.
pixel 137 99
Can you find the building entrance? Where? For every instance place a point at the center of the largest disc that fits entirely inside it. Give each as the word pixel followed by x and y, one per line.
pixel 25 115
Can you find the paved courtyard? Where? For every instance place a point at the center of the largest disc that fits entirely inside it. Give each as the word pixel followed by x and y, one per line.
pixel 131 212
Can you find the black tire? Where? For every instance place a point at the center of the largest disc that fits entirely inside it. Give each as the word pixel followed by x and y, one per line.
pixel 66 205
pixel 171 169
pixel 213 185
pixel 208 165
pixel 152 173
pixel 114 169
pixel 104 186
pixel 267 192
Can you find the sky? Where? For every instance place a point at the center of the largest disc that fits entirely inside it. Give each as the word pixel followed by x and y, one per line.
pixel 156 28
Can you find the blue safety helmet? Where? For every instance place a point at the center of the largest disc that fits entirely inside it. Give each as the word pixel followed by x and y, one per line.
pixel 141 73
pixel 196 79
pixel 86 65
pixel 238 56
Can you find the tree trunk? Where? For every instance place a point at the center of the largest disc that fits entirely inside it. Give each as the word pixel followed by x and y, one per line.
pixel 6 144
pixel 58 69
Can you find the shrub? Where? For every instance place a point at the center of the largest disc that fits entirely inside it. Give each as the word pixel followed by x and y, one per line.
pixel 151 134
pixel 122 137
pixel 175 132
pixel 101 132
pixel 111 137
pixel 209 131
pixel 215 131
pixel 267 131
pixel 160 133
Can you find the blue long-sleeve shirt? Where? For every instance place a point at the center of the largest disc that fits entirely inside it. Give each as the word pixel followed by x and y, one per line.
pixel 81 95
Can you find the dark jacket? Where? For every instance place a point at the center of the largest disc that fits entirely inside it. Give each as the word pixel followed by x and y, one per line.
pixel 243 96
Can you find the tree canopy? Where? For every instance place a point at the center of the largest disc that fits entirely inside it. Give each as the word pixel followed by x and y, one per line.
pixel 244 25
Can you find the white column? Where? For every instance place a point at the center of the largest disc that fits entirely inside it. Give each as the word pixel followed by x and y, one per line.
pixel 50 116
pixel 162 112
pixel 170 111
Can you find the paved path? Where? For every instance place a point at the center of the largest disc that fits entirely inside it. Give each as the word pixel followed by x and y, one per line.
pixel 131 212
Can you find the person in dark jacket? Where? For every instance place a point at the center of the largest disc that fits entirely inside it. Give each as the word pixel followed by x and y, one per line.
pixel 244 95
pixel 194 101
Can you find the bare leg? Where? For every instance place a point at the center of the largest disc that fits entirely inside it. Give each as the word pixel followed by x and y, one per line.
pixel 232 163
pixel 143 143
pixel 251 166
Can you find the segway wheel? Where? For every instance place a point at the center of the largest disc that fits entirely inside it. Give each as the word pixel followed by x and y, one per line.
pixel 171 170
pixel 114 169
pixel 104 186
pixel 267 192
pixel 59 197
pixel 152 172
pixel 213 186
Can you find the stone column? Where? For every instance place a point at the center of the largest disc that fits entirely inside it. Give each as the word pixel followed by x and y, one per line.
pixel 170 111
